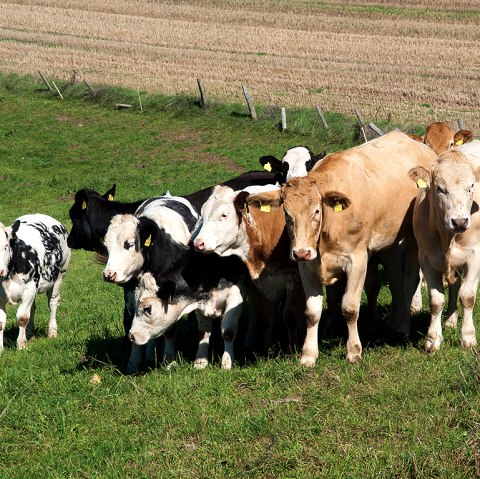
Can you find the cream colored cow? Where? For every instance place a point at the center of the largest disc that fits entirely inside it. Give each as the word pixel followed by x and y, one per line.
pixel 446 223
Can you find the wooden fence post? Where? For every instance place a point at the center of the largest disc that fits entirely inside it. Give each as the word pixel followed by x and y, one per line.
pixel 362 124
pixel 45 81
pixel 58 91
pixel 202 93
pixel 461 124
pixel 90 87
pixel 320 112
pixel 250 104
pixel 284 118
pixel 139 100
pixel 375 128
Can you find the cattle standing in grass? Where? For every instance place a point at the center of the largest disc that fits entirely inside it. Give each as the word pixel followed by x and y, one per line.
pixel 446 223
pixel 258 237
pixel 33 259
pixel 297 161
pixel 353 204
pixel 186 281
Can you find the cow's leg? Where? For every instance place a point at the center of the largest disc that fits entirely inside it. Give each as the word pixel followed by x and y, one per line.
pixel 293 312
pixel 412 294
pixel 313 289
pixel 229 325
pixel 23 315
pixel 372 288
pixel 169 346
pixel 254 301
pixel 417 301
pixel 3 321
pixel 204 333
pixel 356 273
pixel 30 330
pixel 135 356
pixel 467 294
pixel 53 296
pixel 452 310
pixel 436 298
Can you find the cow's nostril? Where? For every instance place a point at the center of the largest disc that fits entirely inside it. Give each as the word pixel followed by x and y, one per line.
pixel 131 337
pixel 199 245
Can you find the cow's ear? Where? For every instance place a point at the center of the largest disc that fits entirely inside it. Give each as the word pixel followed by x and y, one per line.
pixel 462 137
pixel 240 203
pixel 14 228
pixel 81 199
pixel 266 200
pixel 148 230
pixel 421 176
pixel 416 137
pixel 336 200
pixel 110 194
pixel 270 163
pixel 166 291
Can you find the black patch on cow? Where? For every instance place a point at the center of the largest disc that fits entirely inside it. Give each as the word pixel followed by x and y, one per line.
pixel 24 260
pixel 174 205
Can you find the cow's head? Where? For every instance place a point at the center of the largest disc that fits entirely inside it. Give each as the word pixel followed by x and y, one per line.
pixel 220 222
pixel 84 234
pixel 125 259
pixel 440 137
pixel 157 308
pixel 304 207
pixel 7 237
pixel 297 161
pixel 450 185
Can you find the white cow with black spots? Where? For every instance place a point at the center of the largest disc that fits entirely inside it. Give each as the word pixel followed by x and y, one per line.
pixel 33 259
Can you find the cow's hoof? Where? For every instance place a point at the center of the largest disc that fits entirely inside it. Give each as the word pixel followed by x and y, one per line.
pixel 200 363
pixel 170 365
pixel 53 333
pixel 307 361
pixel 353 358
pixel 432 345
pixel 469 341
pixel 227 362
pixel 451 322
pixel 21 345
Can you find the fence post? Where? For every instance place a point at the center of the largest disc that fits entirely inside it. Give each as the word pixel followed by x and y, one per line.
pixel 461 124
pixel 284 118
pixel 45 81
pixel 250 104
pixel 362 124
pixel 202 93
pixel 320 112
pixel 58 91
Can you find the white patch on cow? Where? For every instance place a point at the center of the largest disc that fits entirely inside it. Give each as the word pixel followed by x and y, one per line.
pixel 296 158
pixel 472 151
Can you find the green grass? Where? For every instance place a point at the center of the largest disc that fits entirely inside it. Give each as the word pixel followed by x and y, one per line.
pixel 399 413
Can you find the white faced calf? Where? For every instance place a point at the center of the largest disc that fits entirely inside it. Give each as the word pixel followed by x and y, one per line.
pixel 446 223
pixel 33 259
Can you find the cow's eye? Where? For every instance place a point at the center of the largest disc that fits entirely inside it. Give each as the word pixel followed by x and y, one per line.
pixel 129 244
pixel 223 216
pixel 440 190
pixel 147 310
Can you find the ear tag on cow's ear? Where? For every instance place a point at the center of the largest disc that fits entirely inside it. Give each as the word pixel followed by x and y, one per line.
pixel 84 205
pixel 338 207
pixel 421 183
pixel 459 142
pixel 110 197
pixel 267 166
pixel 245 209
pixel 148 241
pixel 265 207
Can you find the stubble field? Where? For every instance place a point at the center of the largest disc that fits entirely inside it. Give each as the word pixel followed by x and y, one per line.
pixel 410 61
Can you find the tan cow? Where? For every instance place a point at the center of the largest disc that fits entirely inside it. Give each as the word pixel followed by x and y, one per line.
pixel 351 205
pixel 440 137
pixel 446 223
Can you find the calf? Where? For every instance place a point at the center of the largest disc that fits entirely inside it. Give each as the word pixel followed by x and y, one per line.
pixel 297 161
pixel 258 237
pixel 185 281
pixel 353 204
pixel 34 257
pixel 446 224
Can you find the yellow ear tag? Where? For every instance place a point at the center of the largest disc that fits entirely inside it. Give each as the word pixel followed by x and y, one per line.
pixel 148 241
pixel 84 205
pixel 267 166
pixel 421 183
pixel 265 208
pixel 459 142
pixel 338 207
pixel 110 197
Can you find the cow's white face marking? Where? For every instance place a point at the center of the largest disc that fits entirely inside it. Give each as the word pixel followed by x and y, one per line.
pixel 125 259
pixel 296 158
pixel 220 223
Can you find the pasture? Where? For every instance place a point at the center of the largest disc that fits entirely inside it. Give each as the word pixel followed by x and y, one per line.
pixel 411 60
pixel 68 410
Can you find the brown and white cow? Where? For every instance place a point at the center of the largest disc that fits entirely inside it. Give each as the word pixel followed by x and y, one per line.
pixel 446 223
pixel 440 137
pixel 351 205
pixel 257 235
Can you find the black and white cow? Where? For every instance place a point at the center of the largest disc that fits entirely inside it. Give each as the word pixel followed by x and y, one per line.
pixel 33 259
pixel 297 161
pixel 177 280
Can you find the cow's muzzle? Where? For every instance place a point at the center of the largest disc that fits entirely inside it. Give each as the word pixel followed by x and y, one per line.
pixel 109 276
pixel 303 254
pixel 460 225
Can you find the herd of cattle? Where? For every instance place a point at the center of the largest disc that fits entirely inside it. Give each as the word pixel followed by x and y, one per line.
pixel 275 237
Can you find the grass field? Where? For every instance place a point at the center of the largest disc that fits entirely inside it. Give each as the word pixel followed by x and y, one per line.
pixel 66 408
pixel 411 61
